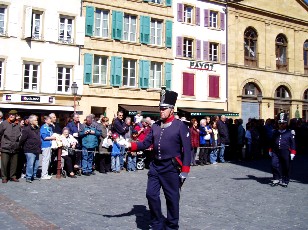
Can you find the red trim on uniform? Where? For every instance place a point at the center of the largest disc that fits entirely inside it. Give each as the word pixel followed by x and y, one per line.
pixel 169 119
pixel 185 169
pixel 179 161
pixel 293 151
pixel 133 147
pixel 270 150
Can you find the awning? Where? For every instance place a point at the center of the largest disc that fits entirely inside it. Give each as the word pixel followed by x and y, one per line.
pixel 146 110
pixel 36 107
pixel 205 112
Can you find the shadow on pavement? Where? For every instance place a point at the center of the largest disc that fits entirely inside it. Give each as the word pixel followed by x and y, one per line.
pixel 141 213
pixel 298 170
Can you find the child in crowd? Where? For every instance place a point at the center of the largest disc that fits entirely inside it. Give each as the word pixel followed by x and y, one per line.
pixel 115 153
pixel 132 156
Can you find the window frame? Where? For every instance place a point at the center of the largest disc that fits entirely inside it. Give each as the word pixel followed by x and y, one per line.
pixel 192 13
pixel 250 41
pixel 65 40
pixel 211 52
pixel 156 35
pixel 186 46
pixel 102 23
pixel 34 13
pixel 281 65
pixel 1 73
pixel 153 78
pixel 157 1
pixel 31 77
pixel 305 58
pixel 100 77
pixel 282 90
pixel 4 20
pixel 250 87
pixel 129 32
pixel 70 80
pixel 211 19
pixel 129 69
pixel 305 96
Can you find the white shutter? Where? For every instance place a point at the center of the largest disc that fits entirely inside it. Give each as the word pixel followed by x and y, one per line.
pixel 49 77
pixel 28 22
pixel 78 77
pixel 80 30
pixel 13 76
pixel 51 27
pixel 14 19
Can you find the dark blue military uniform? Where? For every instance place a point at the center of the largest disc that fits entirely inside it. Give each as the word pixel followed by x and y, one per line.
pixel 171 140
pixel 282 145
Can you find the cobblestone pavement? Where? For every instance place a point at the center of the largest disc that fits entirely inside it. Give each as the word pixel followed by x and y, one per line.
pixel 223 196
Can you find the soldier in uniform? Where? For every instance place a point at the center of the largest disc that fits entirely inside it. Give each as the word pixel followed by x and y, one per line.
pixel 282 151
pixel 172 149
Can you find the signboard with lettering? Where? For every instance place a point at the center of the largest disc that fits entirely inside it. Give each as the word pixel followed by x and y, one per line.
pixel 28 98
pixel 199 65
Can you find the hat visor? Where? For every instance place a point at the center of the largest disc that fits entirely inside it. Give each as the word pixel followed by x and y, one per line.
pixel 162 105
pixel 282 122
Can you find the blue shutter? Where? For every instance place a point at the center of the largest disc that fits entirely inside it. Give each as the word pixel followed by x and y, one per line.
pixel 169 34
pixel 144 73
pixel 145 22
pixel 89 20
pixel 116 71
pixel 168 75
pixel 168 2
pixel 88 60
pixel 117 24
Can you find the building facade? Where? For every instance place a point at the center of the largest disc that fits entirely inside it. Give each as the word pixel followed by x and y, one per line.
pixel 127 55
pixel 39 55
pixel 268 58
pixel 199 73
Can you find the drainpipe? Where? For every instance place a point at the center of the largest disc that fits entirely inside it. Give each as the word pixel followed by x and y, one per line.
pixel 227 55
pixel 80 45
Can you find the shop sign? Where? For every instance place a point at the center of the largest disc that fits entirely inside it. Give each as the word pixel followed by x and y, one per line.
pixel 28 98
pixel 199 65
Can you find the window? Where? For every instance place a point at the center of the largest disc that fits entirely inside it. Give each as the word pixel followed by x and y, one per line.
pixel 282 92
pixel 213 19
pixel 188 14
pixel 250 89
pixel 214 86
pixel 250 47
pixel 306 95
pixel 213 52
pixel 101 23
pixel 130 28
pixel 1 73
pixel 157 1
pixel 66 30
pixel 2 20
pixel 156 32
pixel 281 53
pixel 31 72
pixel 306 57
pixel 155 75
pixel 188 84
pixel 64 79
pixel 129 72
pixel 100 70
pixel 36 26
pixel 188 47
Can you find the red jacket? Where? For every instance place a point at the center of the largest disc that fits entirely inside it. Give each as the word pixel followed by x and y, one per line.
pixel 194 137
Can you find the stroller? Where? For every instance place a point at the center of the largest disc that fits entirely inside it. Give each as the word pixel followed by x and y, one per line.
pixel 140 160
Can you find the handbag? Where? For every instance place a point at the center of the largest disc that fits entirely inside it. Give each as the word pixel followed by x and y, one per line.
pixel 105 143
pixel 207 137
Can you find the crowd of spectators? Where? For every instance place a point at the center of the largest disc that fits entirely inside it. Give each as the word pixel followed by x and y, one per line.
pixel 95 144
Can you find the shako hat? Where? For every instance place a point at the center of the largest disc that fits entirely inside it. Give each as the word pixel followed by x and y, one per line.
pixel 282 117
pixel 167 98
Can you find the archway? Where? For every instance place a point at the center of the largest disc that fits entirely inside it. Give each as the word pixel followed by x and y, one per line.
pixel 283 99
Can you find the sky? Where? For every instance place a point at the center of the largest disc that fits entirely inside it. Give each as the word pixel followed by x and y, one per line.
pixel 306 1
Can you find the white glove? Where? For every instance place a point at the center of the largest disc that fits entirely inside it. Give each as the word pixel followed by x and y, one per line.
pixel 125 143
pixel 183 175
pixel 292 156
pixel 270 153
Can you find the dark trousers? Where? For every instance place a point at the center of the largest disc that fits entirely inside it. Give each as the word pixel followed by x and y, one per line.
pixel 162 174
pixel 281 165
pixel 104 162
pixel 68 161
pixel 9 161
pixel 203 153
pixel 193 156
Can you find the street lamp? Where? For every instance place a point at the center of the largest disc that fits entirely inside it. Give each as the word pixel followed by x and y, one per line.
pixel 74 89
pixel 259 99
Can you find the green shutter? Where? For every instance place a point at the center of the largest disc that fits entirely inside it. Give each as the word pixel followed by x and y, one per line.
pixel 117 25
pixel 168 34
pixel 116 71
pixel 145 22
pixel 168 75
pixel 89 20
pixel 144 73
pixel 88 60
pixel 168 2
pixel 146 0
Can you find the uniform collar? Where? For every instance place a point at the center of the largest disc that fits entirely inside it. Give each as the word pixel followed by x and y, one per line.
pixel 169 119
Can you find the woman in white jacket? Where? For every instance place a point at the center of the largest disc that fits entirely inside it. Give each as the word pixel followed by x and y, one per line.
pixel 69 143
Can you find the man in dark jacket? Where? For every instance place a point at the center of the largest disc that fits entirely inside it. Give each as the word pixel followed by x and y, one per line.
pixel 224 136
pixel 31 143
pixel 9 133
